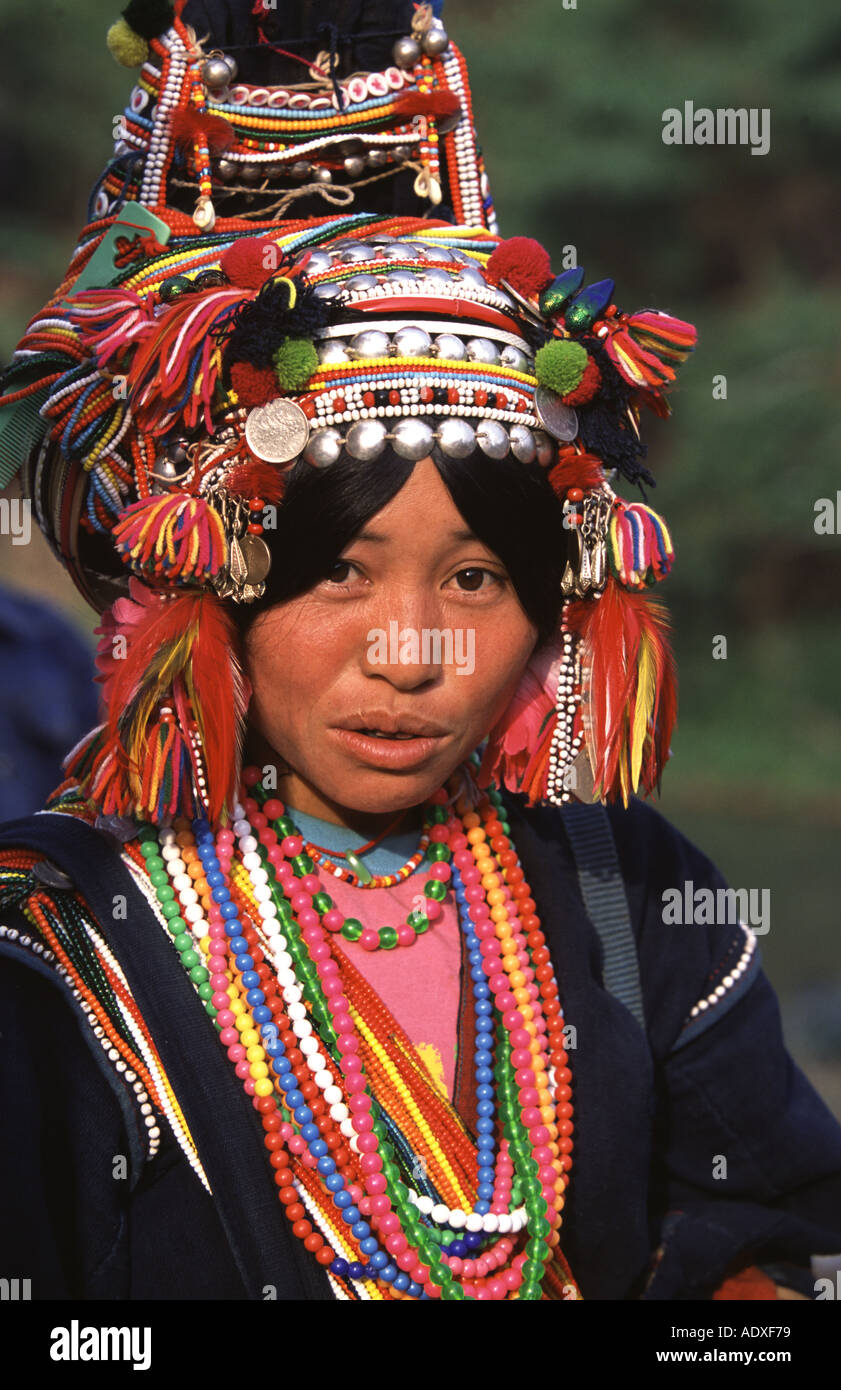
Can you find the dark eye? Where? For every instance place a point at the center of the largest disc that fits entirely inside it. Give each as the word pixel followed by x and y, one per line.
pixel 472 579
pixel 340 572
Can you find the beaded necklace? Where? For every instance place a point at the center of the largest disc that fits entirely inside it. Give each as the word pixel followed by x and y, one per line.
pixel 357 873
pixel 343 1109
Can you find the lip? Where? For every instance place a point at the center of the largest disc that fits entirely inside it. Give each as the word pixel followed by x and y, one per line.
pixel 394 724
pixel 399 756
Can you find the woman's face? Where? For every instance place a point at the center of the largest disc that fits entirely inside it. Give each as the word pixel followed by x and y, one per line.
pixel 375 684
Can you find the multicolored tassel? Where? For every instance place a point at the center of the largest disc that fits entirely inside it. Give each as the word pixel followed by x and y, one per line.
pixel 173 376
pixel 639 546
pixel 642 346
pixel 176 538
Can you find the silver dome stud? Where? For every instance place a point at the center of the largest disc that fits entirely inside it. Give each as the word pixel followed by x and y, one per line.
pixel 412 439
pixel 492 439
pixel 483 350
pixel 366 439
pixel 412 342
pixel 324 448
pixel 457 438
pixel 371 342
pixel 523 446
pixel 450 348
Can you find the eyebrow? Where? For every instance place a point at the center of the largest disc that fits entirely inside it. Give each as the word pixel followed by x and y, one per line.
pixel 463 535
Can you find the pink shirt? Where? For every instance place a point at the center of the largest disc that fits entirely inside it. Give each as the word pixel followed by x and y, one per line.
pixel 418 984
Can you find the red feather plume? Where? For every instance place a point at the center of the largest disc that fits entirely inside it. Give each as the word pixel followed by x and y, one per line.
pixel 629 696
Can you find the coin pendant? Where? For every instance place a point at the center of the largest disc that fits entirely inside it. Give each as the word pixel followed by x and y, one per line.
pixel 257 557
pixel 559 419
pixel 277 432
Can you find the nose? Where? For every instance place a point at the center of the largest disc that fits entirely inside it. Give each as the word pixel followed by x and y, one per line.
pixel 404 648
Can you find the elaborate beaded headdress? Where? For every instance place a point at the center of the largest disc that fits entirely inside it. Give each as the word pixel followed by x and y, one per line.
pixel 190 360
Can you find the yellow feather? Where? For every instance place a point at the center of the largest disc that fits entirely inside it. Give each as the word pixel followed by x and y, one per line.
pixel 643 705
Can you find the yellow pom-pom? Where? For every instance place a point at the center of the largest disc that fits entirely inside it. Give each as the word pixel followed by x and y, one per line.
pixel 126 46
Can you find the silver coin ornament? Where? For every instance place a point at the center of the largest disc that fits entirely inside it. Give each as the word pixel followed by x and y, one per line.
pixel 377 159
pixel 354 166
pixel 492 439
pixel 483 350
pixel 457 438
pixel 318 262
pixel 412 342
pixel 277 432
pixel 322 175
pixel 523 446
pixel 370 343
pixel 515 359
pixel 450 348
pixel 366 439
pixel 360 282
pixel 412 439
pixel 559 419
pixel 324 448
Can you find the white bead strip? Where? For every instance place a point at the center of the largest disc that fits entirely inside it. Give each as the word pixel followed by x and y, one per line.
pixel 130 1077
pixel 504 1223
pixel 730 978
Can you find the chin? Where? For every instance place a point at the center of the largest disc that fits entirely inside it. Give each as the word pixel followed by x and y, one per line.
pixel 376 791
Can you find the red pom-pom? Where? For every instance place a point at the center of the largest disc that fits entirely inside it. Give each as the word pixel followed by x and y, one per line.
pixel 591 380
pixel 251 261
pixel 253 385
pixel 190 127
pixel 523 263
pixel 255 478
pixel 575 470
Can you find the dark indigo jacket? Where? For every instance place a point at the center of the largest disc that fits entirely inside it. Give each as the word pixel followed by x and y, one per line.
pixel 645 1215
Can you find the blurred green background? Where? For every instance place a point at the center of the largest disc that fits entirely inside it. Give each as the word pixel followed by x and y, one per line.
pixel 569 104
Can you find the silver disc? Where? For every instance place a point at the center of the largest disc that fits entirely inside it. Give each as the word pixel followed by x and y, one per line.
pixel 483 350
pixel 412 439
pixel 277 432
pixel 450 348
pixel 412 342
pixel 492 439
pixel 457 438
pixel 559 419
pixel 523 446
pixel 366 440
pixel 324 448
pixel 370 343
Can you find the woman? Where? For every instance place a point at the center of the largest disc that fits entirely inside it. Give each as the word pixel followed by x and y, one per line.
pixel 357 471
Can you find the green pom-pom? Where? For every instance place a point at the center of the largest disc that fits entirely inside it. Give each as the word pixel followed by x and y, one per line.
pixel 126 46
pixel 560 365
pixel 294 363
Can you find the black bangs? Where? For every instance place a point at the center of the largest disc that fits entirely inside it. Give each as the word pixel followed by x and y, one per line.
pixel 509 506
